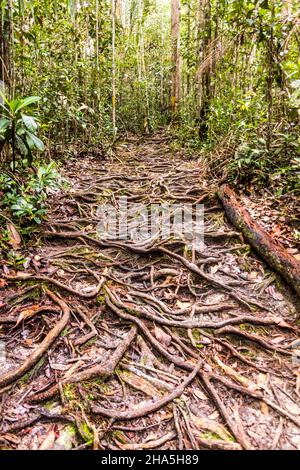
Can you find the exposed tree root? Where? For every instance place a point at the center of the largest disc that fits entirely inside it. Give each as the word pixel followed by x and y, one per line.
pixel 138 316
pixel 59 284
pixel 225 413
pixel 144 410
pixel 15 319
pixel 158 249
pixel 38 353
pixel 104 371
pixel 108 369
pixel 187 366
pixel 150 444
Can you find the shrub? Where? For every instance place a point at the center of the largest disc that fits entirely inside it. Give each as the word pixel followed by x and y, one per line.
pixel 26 202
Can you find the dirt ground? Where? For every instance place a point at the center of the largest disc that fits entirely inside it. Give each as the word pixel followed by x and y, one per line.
pixel 145 343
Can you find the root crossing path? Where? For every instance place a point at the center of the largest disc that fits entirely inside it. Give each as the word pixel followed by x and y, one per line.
pixel 145 342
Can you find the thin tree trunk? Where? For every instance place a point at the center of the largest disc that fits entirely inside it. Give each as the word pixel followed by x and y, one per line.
pixel 97 38
pixel 3 49
pixel 143 70
pixel 188 61
pixel 113 17
pixel 5 42
pixel 270 53
pixel 206 75
pixel 176 62
pixel 162 64
pixel 11 68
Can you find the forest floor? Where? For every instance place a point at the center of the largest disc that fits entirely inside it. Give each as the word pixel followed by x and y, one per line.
pixel 145 344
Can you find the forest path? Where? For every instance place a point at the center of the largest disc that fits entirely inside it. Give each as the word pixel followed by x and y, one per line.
pixel 158 345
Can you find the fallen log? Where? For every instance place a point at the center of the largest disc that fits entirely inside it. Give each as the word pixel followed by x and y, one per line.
pixel 275 255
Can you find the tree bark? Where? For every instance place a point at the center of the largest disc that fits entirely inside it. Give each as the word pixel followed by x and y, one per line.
pixel 113 19
pixel 206 32
pixel 176 62
pixel 5 36
pixel 275 255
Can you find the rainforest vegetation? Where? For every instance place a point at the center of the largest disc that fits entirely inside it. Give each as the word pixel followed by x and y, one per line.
pixel 225 76
pixel 159 101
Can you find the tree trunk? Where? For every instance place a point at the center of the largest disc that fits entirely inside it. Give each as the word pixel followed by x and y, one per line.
pixel 5 36
pixel 113 17
pixel 206 75
pixel 176 61
pixel 188 60
pixel 275 255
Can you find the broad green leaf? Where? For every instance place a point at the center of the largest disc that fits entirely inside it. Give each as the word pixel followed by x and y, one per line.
pixel 4 124
pixel 14 104
pixel 31 138
pixel 5 100
pixel 29 122
pixel 29 141
pixel 26 102
pixel 20 131
pixel 21 146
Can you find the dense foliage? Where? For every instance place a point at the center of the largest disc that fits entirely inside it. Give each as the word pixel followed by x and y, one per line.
pixel 237 65
pixel 246 78
pixel 18 130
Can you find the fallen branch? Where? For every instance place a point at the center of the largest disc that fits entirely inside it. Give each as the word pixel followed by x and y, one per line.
pixel 260 240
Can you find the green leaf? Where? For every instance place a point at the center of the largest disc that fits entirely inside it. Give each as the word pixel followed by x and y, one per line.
pixel 13 105
pixel 26 102
pixel 5 100
pixel 29 122
pixel 34 141
pixel 21 146
pixel 4 124
pixel 20 131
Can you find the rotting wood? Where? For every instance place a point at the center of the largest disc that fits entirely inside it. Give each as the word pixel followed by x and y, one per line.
pixel 275 255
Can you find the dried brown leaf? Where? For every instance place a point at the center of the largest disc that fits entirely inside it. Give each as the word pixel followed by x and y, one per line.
pixel 235 375
pixel 2 283
pixel 140 383
pixel 48 442
pixel 264 408
pixel 27 313
pixel 207 424
pixel 14 238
